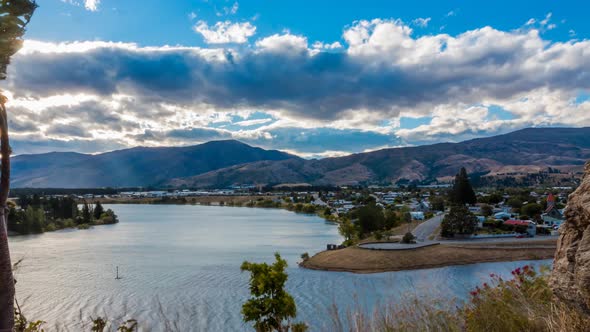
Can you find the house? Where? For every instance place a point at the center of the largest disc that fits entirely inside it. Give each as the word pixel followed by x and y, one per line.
pixel 480 221
pixel 423 206
pixel 475 209
pixel 319 202
pixel 417 215
pixel 531 227
pixel 502 215
pixel 552 216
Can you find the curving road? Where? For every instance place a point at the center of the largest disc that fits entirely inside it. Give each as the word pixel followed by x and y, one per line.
pixel 427 228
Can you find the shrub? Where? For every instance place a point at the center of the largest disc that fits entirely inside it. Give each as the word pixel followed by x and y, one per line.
pixel 408 238
pixel 519 304
pixel 270 308
pixel 523 303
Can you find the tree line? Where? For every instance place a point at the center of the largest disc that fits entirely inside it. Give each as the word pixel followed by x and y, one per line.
pixel 35 214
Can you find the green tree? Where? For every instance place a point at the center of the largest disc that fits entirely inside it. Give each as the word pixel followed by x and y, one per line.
pixel 35 219
pixel 531 209
pixel 370 218
pixel 391 219
pixel 109 217
pixel 271 308
pixel 407 217
pixel 462 192
pixel 486 210
pixel 14 17
pixel 458 221
pixel 347 229
pixel 98 211
pixel 15 219
pixel 437 203
pixel 86 214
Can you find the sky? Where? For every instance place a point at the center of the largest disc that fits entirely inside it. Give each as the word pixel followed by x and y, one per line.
pixel 313 78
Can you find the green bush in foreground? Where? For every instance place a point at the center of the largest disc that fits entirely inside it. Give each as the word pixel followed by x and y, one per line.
pixel 270 308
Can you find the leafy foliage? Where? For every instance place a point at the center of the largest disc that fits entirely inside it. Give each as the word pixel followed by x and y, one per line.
pixel 46 214
pixel 370 218
pixel 98 210
pixel 14 17
pixel 408 238
pixel 348 230
pixel 270 307
pixel 462 192
pixel 458 221
pixel 86 214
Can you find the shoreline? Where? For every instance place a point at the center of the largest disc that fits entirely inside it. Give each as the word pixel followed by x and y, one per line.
pixel 364 261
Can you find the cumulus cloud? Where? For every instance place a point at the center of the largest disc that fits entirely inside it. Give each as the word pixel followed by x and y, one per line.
pixel 285 43
pixel 225 32
pixel 184 95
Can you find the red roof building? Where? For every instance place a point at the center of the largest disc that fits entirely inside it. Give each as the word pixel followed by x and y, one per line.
pixel 517 222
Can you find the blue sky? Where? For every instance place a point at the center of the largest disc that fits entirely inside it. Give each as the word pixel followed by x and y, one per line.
pixel 321 78
pixel 153 22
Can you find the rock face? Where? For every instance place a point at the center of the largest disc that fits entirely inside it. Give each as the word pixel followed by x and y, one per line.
pixel 570 278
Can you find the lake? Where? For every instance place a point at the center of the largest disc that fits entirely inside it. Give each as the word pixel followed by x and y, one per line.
pixel 182 263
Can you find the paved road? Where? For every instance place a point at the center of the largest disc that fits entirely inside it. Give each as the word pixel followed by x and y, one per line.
pixel 427 228
pixel 395 245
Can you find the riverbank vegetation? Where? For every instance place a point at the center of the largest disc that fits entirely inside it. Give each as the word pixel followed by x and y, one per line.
pixel 524 302
pixel 35 214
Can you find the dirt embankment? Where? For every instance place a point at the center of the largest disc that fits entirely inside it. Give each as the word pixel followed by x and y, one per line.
pixel 359 260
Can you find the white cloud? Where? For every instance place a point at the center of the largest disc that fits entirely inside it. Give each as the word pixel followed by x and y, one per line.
pixel 225 32
pixel 421 22
pixel 324 46
pixel 451 13
pixel 383 73
pixel 547 19
pixel 231 10
pixel 91 5
pixel 285 43
pixel 531 21
pixel 255 122
pixel 192 16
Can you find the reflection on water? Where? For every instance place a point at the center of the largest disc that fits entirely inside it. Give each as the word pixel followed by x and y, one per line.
pixel 182 263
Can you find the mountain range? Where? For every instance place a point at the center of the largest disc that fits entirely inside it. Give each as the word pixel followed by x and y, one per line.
pixel 223 163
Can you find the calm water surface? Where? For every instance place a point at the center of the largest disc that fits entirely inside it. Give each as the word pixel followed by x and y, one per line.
pixel 181 263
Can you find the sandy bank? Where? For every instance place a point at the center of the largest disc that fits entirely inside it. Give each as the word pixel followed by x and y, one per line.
pixel 358 260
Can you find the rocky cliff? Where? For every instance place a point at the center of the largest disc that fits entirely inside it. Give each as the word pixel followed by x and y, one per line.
pixel 570 278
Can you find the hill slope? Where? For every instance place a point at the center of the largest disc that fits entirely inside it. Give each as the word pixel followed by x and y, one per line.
pixel 132 167
pixel 528 150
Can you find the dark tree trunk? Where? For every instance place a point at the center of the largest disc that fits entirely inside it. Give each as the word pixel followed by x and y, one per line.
pixel 6 278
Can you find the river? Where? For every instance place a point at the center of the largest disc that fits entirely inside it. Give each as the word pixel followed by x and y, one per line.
pixel 181 263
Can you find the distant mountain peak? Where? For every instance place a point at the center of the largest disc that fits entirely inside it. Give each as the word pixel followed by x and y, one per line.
pixel 225 162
